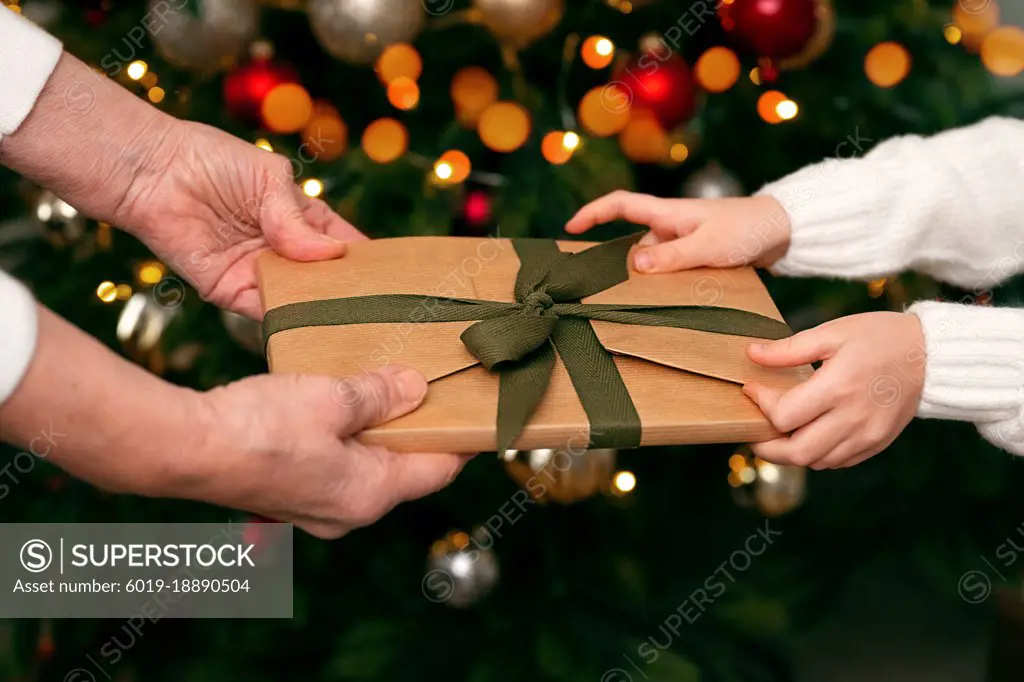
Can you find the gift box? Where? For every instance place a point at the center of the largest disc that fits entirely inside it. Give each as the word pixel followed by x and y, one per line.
pixel 530 343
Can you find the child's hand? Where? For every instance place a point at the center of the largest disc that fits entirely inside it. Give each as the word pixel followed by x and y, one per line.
pixel 690 233
pixel 863 396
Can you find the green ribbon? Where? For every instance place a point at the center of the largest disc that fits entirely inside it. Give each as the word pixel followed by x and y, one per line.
pixel 519 340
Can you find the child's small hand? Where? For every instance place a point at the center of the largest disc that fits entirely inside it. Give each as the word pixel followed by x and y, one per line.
pixel 864 395
pixel 690 233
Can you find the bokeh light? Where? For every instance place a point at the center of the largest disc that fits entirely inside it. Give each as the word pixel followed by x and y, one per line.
pixel 504 126
pixel 400 60
pixel 286 108
pixel 385 140
pixel 717 69
pixel 604 110
pixel 886 64
pixel 767 106
pixel 1002 51
pixel 597 52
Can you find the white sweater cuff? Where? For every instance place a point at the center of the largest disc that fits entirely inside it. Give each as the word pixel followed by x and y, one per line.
pixel 28 56
pixel 975 368
pixel 837 228
pixel 17 333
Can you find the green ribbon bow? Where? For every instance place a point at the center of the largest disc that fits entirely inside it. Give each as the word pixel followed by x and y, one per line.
pixel 519 340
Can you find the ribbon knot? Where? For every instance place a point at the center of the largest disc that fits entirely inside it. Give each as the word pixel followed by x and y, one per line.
pixel 520 340
pixel 539 300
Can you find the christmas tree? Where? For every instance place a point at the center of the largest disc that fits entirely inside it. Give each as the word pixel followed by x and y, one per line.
pixel 441 117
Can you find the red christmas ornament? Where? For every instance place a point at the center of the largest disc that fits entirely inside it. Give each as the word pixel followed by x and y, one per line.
pixel 661 82
pixel 774 29
pixel 246 86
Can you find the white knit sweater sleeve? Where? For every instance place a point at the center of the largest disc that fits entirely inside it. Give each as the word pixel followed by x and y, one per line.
pixel 951 206
pixel 28 56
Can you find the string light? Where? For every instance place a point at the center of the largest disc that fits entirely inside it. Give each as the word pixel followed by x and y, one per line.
pixel 755 76
pixel 604 111
pixel 679 152
pixel 106 292
pixel 156 95
pixel 312 187
pixel 504 126
pixel 122 292
pixel 400 60
pixel 264 145
pixel 886 64
pixel 137 69
pixel 473 89
pixel 326 135
pixel 150 272
pixel 553 148
pixel 148 80
pixel 452 167
pixel 787 109
pixel 953 34
pixel 643 140
pixel 717 69
pixel 1002 51
pixel 442 170
pixel 403 93
pixel 385 140
pixel 876 287
pixel 623 482
pixel 287 108
pixel 597 52
pixel 767 106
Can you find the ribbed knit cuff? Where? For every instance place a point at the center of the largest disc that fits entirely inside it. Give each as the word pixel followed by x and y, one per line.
pixel 17 333
pixel 837 229
pixel 28 56
pixel 975 365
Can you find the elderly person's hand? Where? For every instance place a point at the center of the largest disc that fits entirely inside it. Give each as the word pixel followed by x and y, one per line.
pixel 205 202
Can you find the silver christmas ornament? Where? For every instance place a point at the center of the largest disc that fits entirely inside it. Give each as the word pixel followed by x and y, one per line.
pixel 245 332
pixel 519 22
pixel 61 222
pixel 562 476
pixel 712 182
pixel 144 319
pixel 461 569
pixel 357 30
pixel 208 36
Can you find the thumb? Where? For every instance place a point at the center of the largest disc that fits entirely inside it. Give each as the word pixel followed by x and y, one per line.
pixel 682 253
pixel 800 349
pixel 290 234
pixel 376 397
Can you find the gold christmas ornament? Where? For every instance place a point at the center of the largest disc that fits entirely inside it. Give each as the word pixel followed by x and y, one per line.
pixel 357 31
pixel 562 476
pixel 519 22
pixel 209 39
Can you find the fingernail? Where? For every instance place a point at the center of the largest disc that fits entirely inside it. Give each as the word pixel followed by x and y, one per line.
pixel 648 239
pixel 756 347
pixel 643 261
pixel 411 385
